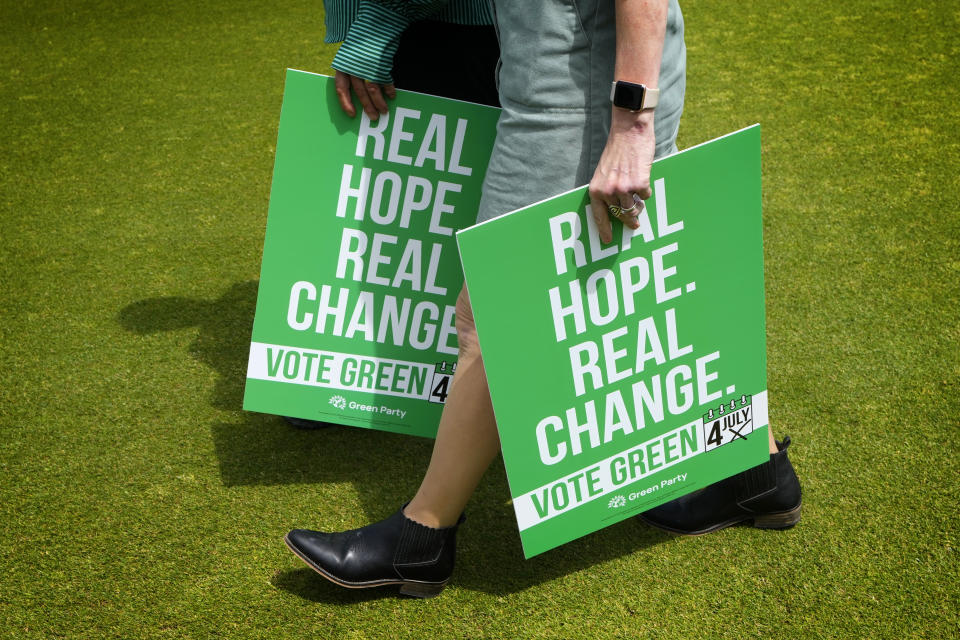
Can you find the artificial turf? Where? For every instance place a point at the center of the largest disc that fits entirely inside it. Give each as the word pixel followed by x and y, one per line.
pixel 137 500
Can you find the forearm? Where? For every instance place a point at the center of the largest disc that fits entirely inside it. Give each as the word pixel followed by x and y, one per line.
pixel 623 174
pixel 641 25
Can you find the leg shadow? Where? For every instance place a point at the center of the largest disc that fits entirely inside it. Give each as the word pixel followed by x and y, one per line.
pixel 490 555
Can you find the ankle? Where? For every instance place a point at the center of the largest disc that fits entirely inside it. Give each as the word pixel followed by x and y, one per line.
pixel 774 447
pixel 427 517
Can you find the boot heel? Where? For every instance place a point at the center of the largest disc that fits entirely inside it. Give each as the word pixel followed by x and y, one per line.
pixel 421 589
pixel 783 520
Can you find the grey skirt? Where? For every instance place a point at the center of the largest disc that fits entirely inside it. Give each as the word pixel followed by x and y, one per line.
pixel 556 66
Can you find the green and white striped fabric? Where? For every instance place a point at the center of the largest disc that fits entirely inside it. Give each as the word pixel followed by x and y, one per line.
pixel 370 29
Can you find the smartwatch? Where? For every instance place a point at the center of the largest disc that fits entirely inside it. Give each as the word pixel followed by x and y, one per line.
pixel 635 97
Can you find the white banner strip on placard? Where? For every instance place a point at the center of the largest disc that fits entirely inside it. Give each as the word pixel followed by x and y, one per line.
pixel 344 371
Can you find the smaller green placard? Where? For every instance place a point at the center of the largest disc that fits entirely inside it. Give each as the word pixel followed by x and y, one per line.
pixel 626 375
pixel 355 310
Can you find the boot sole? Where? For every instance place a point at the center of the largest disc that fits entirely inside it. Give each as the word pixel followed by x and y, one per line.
pixel 779 521
pixel 410 588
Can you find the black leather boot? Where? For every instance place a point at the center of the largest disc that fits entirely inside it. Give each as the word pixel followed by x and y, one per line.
pixel 768 496
pixel 393 551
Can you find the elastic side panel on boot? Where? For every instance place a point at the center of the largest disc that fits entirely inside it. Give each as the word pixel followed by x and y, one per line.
pixel 756 481
pixel 419 544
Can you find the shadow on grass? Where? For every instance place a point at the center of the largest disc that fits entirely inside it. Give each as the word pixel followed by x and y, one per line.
pixel 307 584
pixel 385 468
pixel 262 449
pixel 223 341
pixel 490 556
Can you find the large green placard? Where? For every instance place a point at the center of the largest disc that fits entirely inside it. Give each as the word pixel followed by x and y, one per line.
pixel 355 310
pixel 626 375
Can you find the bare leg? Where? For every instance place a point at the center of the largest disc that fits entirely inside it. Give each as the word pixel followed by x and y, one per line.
pixel 467 440
pixel 773 442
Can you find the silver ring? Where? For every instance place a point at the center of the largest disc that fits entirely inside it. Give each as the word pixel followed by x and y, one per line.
pixel 637 202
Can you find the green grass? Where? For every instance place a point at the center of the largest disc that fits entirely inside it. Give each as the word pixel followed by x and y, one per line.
pixel 138 501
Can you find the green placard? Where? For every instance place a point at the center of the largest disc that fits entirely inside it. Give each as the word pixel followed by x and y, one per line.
pixel 355 310
pixel 626 375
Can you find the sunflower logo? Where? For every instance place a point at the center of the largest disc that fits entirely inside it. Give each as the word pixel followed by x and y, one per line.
pixel 616 502
pixel 339 402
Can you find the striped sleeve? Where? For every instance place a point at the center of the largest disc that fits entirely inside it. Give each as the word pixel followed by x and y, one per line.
pixel 338 16
pixel 370 29
pixel 367 51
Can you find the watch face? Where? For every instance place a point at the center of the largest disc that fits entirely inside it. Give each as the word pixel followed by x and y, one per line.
pixel 628 95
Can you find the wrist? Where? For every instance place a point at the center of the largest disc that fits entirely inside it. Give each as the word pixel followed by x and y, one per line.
pixel 624 120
